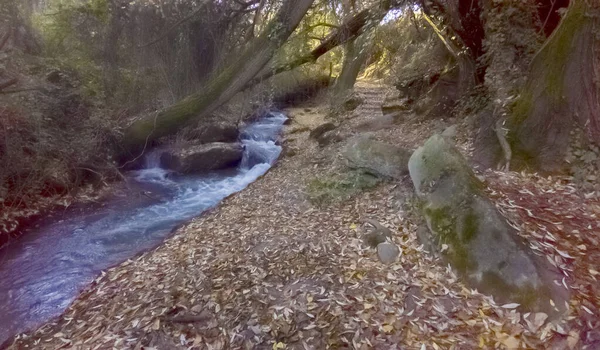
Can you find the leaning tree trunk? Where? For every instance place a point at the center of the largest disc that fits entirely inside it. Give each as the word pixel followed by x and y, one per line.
pixel 562 91
pixel 356 53
pixel 349 30
pixel 223 87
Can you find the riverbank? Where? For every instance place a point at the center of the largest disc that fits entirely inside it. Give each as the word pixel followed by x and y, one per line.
pixel 268 268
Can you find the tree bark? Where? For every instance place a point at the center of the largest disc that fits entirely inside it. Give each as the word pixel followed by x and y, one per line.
pixel 562 90
pixel 512 39
pixel 356 53
pixel 143 132
pixel 466 64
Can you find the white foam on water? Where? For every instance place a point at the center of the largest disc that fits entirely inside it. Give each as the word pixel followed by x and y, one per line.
pixel 71 252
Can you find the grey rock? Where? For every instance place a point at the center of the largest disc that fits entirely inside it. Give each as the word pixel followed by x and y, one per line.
pixel 376 233
pixel 394 104
pixel 352 102
pixel 374 238
pixel 450 132
pixel 378 158
pixel 214 132
pixel 317 132
pixel 387 252
pixel 330 137
pixel 202 158
pixel 482 247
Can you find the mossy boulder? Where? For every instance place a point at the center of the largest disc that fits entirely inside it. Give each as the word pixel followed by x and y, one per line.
pixel 481 246
pixel 214 132
pixel 377 158
pixel 202 158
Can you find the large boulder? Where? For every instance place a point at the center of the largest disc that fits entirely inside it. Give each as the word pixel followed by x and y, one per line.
pixel 377 158
pixel 214 132
pixel 481 246
pixel 201 158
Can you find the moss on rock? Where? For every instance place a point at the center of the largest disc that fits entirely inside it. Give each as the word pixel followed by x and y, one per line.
pixel 481 246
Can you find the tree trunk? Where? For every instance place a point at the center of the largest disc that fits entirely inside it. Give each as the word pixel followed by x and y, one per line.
pixel 511 40
pixel 356 53
pixel 142 133
pixel 562 90
pixel 467 78
pixel 111 48
pixel 349 30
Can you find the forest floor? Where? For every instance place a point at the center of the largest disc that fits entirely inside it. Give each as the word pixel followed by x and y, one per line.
pixel 269 269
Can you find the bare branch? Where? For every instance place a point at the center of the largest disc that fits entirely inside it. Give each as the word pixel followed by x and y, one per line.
pixel 177 24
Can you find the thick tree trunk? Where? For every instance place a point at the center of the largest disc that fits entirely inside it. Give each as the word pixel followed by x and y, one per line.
pixel 467 78
pixel 142 133
pixel 356 53
pixel 511 40
pixel 562 91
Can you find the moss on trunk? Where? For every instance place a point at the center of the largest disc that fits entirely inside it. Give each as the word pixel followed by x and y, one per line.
pixel 561 92
pixel 143 132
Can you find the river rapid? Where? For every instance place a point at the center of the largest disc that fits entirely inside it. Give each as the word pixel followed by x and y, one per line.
pixel 43 272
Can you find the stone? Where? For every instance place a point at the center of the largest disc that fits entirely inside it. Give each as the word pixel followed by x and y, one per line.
pixel 317 132
pixel 481 246
pixel 394 105
pixel 214 132
pixel 450 132
pixel 202 158
pixel 333 136
pixel 374 238
pixel 387 252
pixel 352 102
pixel 377 158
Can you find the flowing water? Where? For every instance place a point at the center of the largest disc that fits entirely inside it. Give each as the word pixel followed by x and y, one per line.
pixel 43 272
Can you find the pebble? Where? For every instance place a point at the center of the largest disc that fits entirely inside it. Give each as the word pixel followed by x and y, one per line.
pixel 387 252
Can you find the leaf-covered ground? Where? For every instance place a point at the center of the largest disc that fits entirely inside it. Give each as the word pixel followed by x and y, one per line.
pixel 268 269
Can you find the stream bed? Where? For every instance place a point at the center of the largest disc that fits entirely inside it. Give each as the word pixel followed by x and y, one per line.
pixel 43 272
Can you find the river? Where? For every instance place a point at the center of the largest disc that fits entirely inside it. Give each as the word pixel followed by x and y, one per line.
pixel 42 273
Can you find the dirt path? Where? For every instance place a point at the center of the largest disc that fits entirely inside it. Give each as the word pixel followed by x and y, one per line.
pixel 268 269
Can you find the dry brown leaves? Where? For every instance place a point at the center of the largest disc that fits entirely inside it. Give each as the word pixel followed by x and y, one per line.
pixel 562 224
pixel 268 270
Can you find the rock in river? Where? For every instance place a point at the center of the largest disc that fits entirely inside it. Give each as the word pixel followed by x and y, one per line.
pixel 214 132
pixel 201 158
pixel 482 247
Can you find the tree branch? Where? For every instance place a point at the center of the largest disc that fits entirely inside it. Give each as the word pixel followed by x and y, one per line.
pixel 349 30
pixel 177 24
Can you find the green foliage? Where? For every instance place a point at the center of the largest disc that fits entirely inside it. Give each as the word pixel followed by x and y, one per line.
pixel 329 189
pixel 73 32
